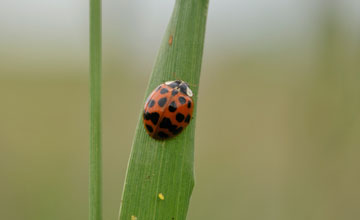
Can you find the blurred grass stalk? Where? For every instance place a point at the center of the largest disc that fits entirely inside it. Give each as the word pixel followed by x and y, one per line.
pixel 95 111
pixel 160 174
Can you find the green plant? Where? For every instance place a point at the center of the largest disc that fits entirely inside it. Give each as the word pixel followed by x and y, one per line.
pixel 160 175
pixel 95 111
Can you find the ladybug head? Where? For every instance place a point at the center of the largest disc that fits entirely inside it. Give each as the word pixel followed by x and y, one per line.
pixel 180 86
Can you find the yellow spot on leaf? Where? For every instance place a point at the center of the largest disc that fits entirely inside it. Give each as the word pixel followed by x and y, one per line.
pixel 133 217
pixel 161 196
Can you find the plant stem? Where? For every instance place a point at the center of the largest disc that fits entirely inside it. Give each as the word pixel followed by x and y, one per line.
pixel 95 111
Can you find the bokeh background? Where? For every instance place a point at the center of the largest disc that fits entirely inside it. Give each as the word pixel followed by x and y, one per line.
pixel 278 123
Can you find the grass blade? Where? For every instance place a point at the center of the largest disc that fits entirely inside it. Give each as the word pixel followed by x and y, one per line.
pixel 160 175
pixel 95 111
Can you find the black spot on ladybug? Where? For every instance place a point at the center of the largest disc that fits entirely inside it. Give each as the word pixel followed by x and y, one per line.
pixel 174 92
pixel 183 88
pixel 187 119
pixel 182 100
pixel 154 117
pixel 174 84
pixel 189 104
pixel 172 106
pixel 151 103
pixel 180 117
pixel 149 128
pixel 166 123
pixel 177 131
pixel 162 135
pixel 163 91
pixel 146 115
pixel 162 101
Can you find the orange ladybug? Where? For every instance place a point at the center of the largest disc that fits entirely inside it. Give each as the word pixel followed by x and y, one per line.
pixel 168 109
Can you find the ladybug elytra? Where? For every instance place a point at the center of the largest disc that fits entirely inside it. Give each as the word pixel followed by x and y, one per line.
pixel 168 109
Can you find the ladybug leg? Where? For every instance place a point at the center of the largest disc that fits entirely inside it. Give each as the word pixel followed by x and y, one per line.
pixel 193 85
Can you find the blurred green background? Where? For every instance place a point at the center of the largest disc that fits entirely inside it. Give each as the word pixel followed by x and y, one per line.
pixel 278 126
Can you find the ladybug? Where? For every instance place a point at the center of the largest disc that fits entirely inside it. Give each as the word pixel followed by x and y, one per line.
pixel 168 109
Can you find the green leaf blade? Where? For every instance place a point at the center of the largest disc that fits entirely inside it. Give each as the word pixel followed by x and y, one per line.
pixel 167 166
